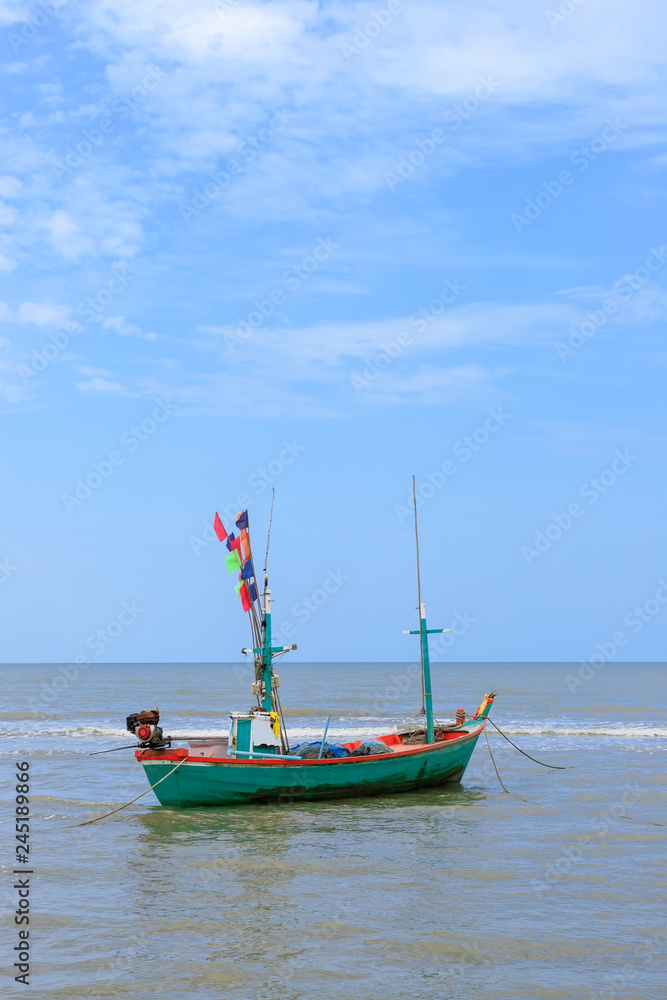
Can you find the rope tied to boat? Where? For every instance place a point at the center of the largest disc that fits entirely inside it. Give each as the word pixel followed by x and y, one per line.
pixel 118 809
pixel 556 767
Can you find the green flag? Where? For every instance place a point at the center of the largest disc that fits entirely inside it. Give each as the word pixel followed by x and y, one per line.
pixel 237 588
pixel 233 561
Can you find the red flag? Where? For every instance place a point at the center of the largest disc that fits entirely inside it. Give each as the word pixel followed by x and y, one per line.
pixel 219 528
pixel 246 544
pixel 245 599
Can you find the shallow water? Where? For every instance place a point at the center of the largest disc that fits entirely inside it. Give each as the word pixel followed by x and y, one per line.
pixel 553 891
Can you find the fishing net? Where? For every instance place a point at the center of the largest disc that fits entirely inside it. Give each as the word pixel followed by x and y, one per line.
pixel 310 751
pixel 371 747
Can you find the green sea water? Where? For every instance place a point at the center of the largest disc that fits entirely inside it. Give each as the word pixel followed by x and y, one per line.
pixel 553 890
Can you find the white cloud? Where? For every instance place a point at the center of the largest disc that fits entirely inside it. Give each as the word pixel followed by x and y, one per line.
pixel 92 372
pixel 431 384
pixel 66 236
pixel 103 386
pixel 8 215
pixel 319 351
pixel 120 325
pixel 126 329
pixel 9 186
pixel 429 54
pixel 43 313
pixel 222 75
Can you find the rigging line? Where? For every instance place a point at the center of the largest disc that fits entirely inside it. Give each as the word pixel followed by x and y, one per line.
pixel 419 594
pixel 556 767
pixel 268 535
pixel 283 729
pixel 150 788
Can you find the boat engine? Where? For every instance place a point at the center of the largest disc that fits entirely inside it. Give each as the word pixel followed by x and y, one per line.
pixel 144 725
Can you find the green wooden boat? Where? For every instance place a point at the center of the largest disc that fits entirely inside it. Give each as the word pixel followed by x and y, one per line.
pixel 185 780
pixel 256 764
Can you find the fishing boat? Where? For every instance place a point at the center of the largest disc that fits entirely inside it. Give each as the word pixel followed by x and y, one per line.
pixel 256 762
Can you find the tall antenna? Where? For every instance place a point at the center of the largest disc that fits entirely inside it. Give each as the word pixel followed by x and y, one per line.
pixel 268 538
pixel 419 593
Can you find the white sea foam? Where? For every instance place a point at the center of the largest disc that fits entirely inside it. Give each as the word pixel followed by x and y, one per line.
pixel 355 732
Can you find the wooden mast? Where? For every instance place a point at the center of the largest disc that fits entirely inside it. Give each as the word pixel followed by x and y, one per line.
pixel 427 697
pixel 267 653
pixel 423 633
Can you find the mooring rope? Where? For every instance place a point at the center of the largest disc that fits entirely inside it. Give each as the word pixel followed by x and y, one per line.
pixel 650 822
pixel 557 767
pixel 149 789
pixel 494 764
pixel 513 794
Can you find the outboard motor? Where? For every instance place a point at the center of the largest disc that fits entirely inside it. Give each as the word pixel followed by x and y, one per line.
pixel 144 725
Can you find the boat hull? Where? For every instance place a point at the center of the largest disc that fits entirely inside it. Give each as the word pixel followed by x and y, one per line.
pixel 198 781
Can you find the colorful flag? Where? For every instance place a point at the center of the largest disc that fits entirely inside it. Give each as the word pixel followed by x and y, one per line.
pixel 219 528
pixel 232 562
pixel 245 600
pixel 237 588
pixel 247 571
pixel 252 590
pixel 242 519
pixel 233 543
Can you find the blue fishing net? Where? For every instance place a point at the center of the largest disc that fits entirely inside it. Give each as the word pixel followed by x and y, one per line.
pixel 370 747
pixel 310 751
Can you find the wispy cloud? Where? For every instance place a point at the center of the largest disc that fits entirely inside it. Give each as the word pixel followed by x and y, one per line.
pixel 103 386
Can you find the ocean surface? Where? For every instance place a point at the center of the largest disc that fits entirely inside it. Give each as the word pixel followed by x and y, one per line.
pixel 554 889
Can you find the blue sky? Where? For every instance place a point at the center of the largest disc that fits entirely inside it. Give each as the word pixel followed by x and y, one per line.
pixel 327 246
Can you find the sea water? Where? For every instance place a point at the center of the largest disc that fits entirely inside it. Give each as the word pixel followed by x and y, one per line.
pixel 552 889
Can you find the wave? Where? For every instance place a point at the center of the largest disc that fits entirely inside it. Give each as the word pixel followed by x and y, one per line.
pixel 611 730
pixel 346 732
pixel 30 715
